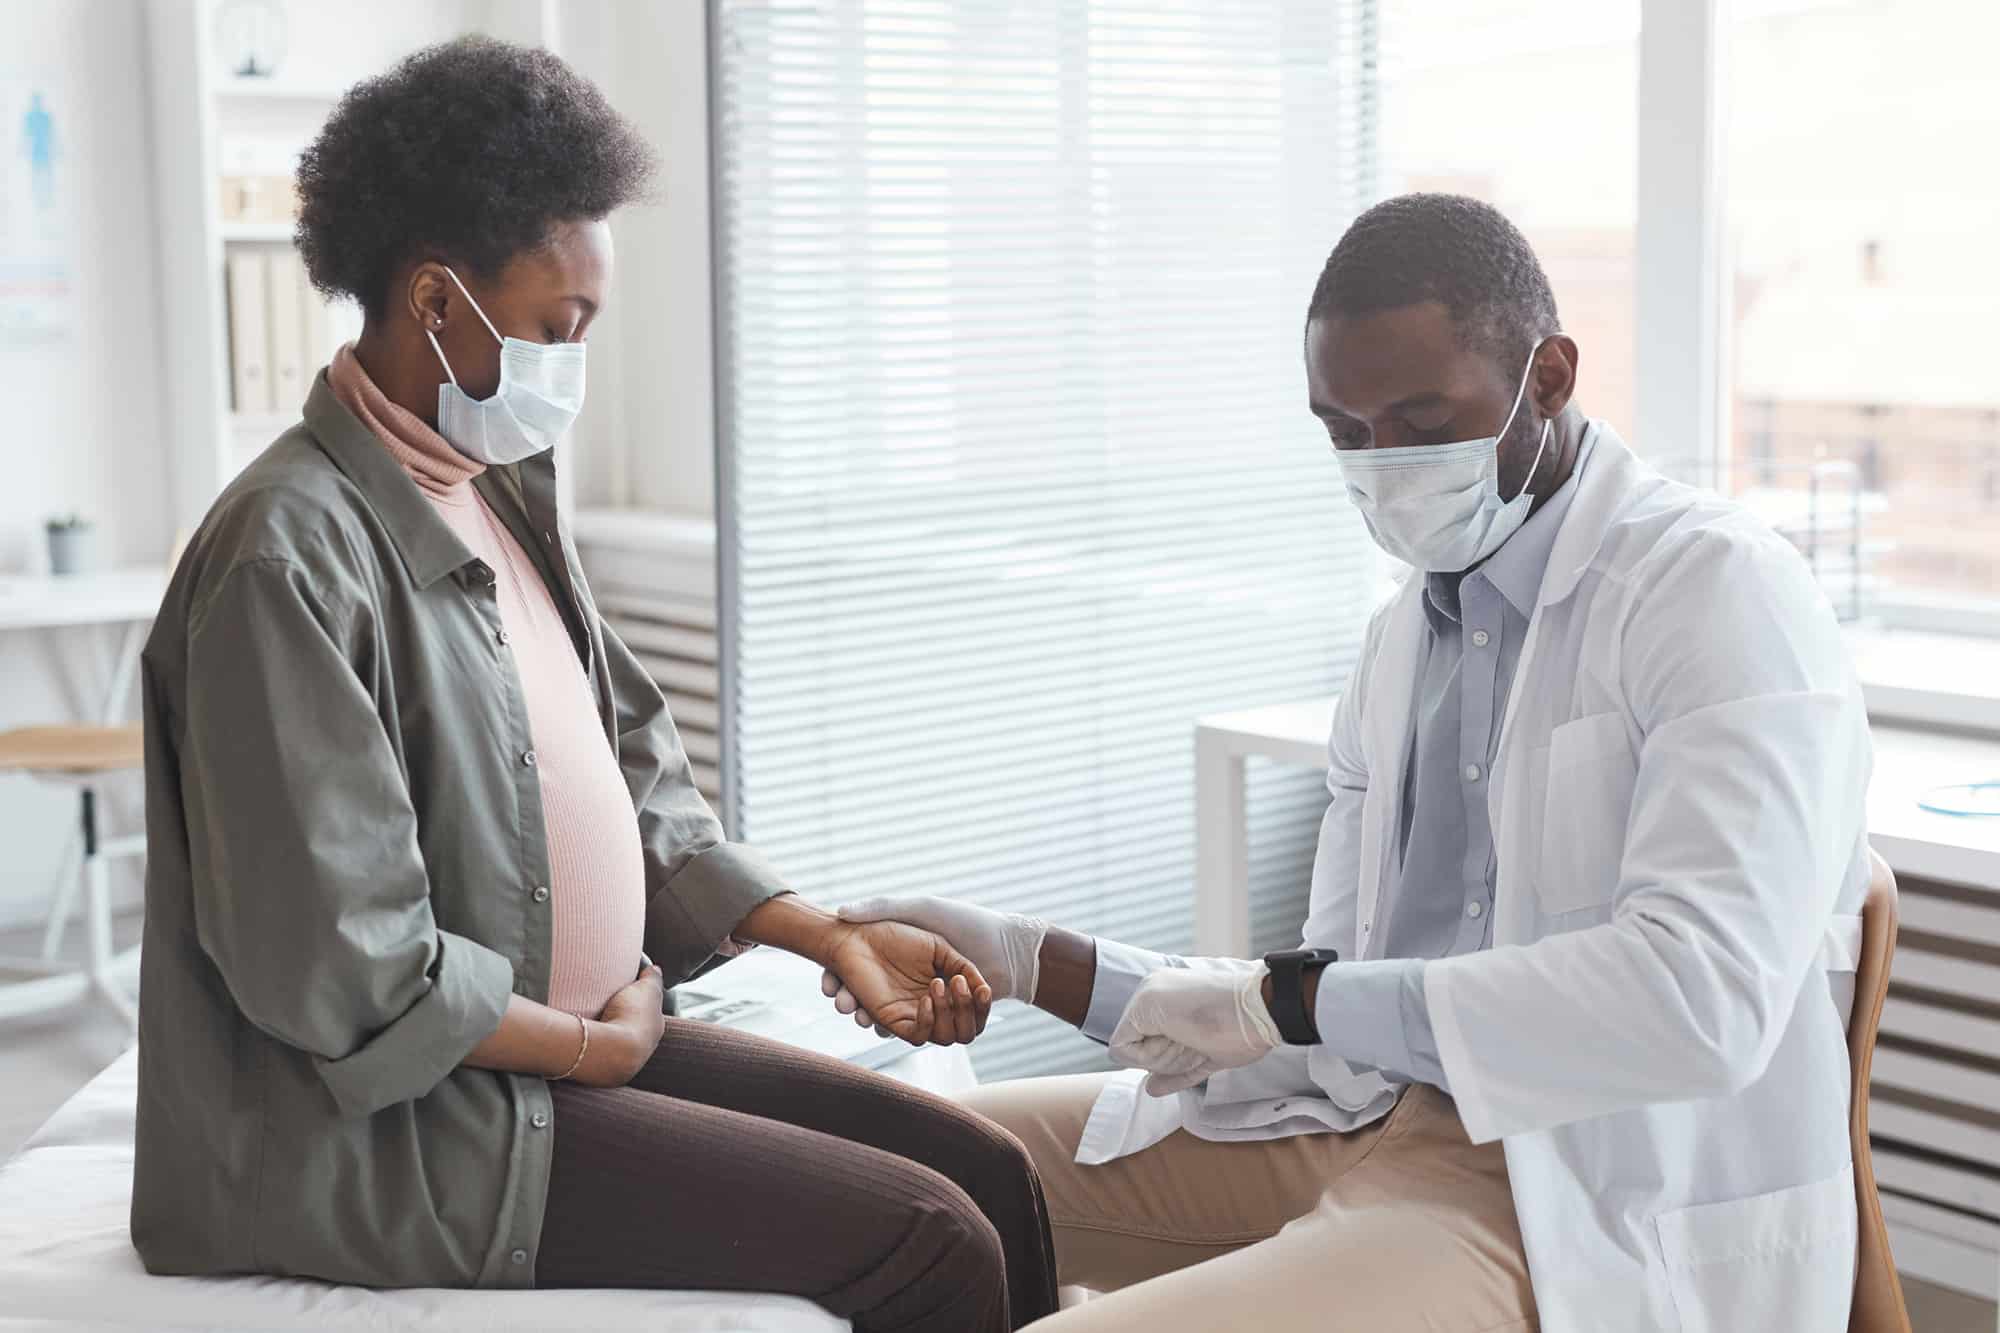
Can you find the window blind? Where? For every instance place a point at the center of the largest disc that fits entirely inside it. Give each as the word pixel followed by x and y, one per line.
pixel 1016 474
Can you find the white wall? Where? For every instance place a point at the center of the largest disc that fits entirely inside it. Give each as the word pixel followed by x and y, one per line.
pixel 82 411
pixel 664 455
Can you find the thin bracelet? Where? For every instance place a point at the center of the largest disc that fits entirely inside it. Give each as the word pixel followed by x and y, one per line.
pixel 576 1064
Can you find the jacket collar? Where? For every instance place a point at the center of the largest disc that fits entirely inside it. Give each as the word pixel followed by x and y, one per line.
pixel 430 549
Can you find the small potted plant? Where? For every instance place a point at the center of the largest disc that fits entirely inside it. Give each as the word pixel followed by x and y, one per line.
pixel 69 544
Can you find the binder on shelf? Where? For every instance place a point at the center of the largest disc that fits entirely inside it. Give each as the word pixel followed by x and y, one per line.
pixel 249 333
pixel 290 304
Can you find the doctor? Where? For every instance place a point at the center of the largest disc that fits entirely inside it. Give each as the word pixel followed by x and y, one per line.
pixel 1594 847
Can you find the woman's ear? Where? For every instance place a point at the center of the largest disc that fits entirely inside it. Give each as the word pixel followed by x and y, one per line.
pixel 428 296
pixel 1555 374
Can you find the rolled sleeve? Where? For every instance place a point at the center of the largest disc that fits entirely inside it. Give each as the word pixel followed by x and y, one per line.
pixel 699 885
pixel 311 896
pixel 469 988
pixel 1375 1014
pixel 1120 970
pixel 693 914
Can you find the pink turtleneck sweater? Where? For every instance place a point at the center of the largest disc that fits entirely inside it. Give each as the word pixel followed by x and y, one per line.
pixel 597 890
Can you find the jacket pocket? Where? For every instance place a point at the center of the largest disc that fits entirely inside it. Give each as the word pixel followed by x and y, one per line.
pixel 1586 798
pixel 1778 1261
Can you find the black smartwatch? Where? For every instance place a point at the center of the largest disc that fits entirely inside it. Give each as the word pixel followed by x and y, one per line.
pixel 1288 991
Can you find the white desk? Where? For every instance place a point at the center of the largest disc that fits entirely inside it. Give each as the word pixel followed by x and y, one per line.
pixel 1223 744
pixel 127 597
pixel 1908 762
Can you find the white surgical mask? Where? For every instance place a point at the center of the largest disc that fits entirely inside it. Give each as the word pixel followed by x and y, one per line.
pixel 1438 506
pixel 540 393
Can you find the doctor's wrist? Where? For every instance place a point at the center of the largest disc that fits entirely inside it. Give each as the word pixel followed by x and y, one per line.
pixel 1309 986
pixel 1066 975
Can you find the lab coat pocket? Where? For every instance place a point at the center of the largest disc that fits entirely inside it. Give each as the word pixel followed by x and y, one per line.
pixel 1586 797
pixel 1783 1260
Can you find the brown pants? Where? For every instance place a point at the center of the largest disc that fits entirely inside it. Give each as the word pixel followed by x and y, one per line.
pixel 1404 1226
pixel 732 1163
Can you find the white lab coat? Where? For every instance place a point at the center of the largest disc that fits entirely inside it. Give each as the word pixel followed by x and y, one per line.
pixel 1658 1033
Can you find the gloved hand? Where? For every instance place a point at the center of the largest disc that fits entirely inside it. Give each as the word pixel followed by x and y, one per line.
pixel 1184 1025
pixel 1005 947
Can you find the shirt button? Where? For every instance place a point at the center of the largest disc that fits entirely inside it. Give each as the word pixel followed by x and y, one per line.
pixel 1471 772
pixel 1474 910
pixel 1480 638
pixel 541 893
pixel 503 636
pixel 539 1120
pixel 519 1256
pixel 528 758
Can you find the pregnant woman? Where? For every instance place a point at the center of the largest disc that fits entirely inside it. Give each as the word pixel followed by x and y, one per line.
pixel 418 818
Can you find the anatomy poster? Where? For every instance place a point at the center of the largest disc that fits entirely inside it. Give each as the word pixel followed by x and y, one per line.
pixel 37 211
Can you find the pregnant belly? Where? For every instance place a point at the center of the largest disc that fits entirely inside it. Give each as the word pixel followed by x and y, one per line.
pixel 598 891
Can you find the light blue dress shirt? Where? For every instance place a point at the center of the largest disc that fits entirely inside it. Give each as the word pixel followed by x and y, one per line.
pixel 1374 1013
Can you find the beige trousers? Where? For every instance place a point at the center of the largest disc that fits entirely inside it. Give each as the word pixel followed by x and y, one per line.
pixel 1401 1226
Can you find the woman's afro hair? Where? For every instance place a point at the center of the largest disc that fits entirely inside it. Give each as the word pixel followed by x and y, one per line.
pixel 469 152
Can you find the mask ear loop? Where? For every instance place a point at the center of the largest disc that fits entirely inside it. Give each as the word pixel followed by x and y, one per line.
pixel 503 342
pixel 440 355
pixel 1520 395
pixel 475 310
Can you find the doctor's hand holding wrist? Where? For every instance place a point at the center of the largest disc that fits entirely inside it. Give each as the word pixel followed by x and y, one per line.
pixel 1183 1025
pixel 1005 947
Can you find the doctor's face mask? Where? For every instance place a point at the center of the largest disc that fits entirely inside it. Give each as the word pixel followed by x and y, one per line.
pixel 1438 465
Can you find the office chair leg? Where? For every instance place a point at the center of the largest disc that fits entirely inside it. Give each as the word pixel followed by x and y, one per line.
pixel 65 900
pixel 97 871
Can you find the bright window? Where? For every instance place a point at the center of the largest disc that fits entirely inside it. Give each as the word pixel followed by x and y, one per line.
pixel 1862 213
pixel 1531 105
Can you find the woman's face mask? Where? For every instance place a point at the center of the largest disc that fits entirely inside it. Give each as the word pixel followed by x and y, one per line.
pixel 539 396
pixel 1437 506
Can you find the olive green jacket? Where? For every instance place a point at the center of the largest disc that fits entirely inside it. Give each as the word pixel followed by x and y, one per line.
pixel 346 875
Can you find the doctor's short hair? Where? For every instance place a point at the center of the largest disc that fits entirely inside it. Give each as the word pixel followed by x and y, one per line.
pixel 470 152
pixel 1448 248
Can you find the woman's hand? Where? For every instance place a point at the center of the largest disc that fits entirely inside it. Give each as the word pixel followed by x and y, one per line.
pixel 899 975
pixel 625 1035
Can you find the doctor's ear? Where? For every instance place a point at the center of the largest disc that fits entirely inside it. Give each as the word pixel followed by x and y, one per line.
pixel 1554 375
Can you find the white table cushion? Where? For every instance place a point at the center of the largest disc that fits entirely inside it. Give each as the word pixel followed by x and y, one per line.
pixel 67 1262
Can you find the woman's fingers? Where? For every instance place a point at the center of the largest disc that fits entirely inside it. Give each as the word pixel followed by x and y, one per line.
pixel 964 1012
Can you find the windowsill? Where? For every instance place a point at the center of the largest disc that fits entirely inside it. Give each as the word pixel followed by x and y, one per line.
pixel 1947 681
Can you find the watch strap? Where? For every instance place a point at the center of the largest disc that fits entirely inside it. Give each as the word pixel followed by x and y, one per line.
pixel 1288 999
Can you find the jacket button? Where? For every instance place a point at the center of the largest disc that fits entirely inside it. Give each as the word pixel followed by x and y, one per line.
pixel 539 1120
pixel 528 758
pixel 541 893
pixel 519 1256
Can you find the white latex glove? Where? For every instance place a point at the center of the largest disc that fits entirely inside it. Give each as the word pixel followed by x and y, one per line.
pixel 1005 947
pixel 1184 1025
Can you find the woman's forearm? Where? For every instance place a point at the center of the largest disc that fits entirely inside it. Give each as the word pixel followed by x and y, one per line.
pixel 791 923
pixel 535 1039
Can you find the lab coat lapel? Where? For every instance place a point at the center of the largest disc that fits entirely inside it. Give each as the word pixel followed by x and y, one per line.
pixel 1385 740
pixel 1602 490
